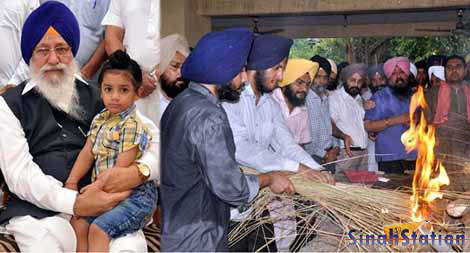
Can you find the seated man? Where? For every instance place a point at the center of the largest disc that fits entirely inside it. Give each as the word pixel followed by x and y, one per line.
pixel 291 97
pixel 347 112
pixel 42 130
pixel 389 119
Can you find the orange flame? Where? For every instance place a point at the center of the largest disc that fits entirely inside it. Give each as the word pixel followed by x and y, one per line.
pixel 422 137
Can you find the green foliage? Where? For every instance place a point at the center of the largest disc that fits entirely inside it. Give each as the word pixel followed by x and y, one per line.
pixel 369 50
pixel 330 48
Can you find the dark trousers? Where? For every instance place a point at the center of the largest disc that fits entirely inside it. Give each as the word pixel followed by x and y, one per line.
pixel 262 238
pixel 396 167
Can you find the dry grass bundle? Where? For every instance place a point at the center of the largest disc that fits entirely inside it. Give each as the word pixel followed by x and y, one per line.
pixel 346 206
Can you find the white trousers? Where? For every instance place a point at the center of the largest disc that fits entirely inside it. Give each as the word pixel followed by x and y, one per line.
pixel 55 234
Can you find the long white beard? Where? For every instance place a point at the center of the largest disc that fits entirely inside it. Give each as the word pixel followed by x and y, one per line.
pixel 60 89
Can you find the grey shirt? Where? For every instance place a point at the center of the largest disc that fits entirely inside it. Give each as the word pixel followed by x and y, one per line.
pixel 200 178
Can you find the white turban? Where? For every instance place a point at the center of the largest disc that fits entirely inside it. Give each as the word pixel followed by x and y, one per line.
pixel 438 71
pixel 413 69
pixel 168 48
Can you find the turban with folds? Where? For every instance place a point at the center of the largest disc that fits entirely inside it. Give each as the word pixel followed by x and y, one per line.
pixel 296 68
pixel 267 51
pixel 54 15
pixel 402 62
pixel 218 57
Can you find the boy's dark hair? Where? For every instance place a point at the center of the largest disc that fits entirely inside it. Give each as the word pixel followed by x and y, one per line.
pixel 120 60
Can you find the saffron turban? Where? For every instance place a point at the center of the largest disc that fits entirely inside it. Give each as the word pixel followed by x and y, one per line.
pixel 54 15
pixel 267 51
pixel 218 57
pixel 402 62
pixel 296 68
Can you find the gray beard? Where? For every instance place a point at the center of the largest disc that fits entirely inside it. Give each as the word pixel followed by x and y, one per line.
pixel 60 91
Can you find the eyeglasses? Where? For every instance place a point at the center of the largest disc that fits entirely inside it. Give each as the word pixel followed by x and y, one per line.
pixel 44 52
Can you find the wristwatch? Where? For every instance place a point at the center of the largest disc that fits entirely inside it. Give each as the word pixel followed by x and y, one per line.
pixel 144 170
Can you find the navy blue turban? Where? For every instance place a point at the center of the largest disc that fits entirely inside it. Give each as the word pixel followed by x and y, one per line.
pixel 323 62
pixel 267 51
pixel 50 14
pixel 218 57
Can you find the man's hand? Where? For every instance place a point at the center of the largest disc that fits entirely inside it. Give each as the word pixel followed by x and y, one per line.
pixel 331 155
pixel 369 104
pixel 149 84
pixel 320 176
pixel 94 201
pixel 347 144
pixel 119 179
pixel 279 182
pixel 6 87
pixel 372 136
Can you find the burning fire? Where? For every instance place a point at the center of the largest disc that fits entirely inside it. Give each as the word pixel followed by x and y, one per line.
pixel 426 184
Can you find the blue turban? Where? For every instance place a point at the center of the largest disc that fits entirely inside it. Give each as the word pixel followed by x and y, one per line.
pixel 267 51
pixel 218 57
pixel 49 14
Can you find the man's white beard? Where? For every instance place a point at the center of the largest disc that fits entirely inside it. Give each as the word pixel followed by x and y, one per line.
pixel 59 89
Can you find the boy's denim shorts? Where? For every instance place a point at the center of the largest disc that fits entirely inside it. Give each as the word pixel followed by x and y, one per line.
pixel 131 214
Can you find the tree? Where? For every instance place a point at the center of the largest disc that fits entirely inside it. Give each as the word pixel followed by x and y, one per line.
pixel 377 50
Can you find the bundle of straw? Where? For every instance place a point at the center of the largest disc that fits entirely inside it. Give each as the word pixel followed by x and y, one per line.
pixel 348 206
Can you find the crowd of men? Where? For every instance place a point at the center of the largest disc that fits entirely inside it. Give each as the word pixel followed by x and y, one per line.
pixel 235 99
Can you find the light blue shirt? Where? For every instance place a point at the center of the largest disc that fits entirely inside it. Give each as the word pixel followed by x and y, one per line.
pixel 262 139
pixel 320 124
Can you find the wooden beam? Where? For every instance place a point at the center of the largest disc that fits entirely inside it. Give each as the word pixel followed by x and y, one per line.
pixel 369 30
pixel 275 7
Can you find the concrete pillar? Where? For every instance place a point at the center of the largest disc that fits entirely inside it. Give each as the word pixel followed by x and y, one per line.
pixel 179 16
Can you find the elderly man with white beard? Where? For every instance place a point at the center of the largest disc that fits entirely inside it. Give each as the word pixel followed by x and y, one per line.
pixel 42 129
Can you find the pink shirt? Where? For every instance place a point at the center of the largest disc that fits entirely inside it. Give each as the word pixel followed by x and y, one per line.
pixel 297 120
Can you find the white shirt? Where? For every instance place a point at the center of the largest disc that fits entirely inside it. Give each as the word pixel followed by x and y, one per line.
pixel 141 21
pixel 13 14
pixel 348 114
pixel 262 139
pixel 24 177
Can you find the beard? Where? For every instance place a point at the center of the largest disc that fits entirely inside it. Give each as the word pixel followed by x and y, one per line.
pixel 260 83
pixel 332 85
pixel 319 89
pixel 353 91
pixel 293 98
pixel 401 89
pixel 374 89
pixel 228 93
pixel 59 89
pixel 172 89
